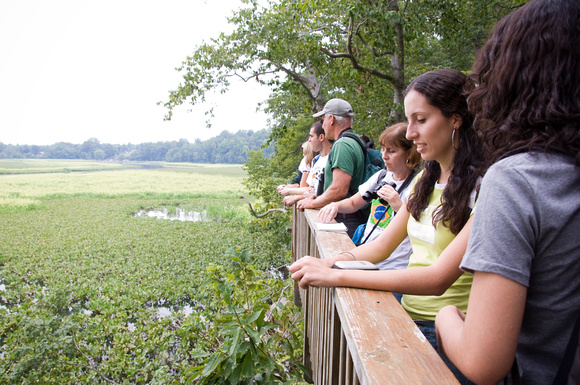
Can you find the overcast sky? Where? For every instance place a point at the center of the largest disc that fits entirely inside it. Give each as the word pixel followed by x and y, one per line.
pixel 71 70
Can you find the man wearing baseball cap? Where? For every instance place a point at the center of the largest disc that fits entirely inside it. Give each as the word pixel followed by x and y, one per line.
pixel 344 170
pixel 337 107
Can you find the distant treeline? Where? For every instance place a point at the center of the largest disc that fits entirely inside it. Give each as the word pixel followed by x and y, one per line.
pixel 224 148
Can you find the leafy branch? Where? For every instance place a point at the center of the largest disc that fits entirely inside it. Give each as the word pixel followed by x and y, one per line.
pixel 254 344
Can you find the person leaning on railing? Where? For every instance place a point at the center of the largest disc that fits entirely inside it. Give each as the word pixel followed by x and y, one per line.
pixel 321 145
pixel 342 174
pixel 402 162
pixel 308 155
pixel 524 249
pixel 437 217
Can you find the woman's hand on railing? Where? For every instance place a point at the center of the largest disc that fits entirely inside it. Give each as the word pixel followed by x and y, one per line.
pixel 328 213
pixel 285 191
pixel 285 186
pixel 310 271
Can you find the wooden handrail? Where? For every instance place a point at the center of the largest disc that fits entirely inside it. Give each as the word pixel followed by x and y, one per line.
pixel 356 336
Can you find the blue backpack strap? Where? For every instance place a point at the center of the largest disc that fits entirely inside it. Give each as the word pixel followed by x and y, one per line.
pixel 315 159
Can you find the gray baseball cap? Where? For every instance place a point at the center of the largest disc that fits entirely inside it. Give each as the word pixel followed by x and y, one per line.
pixel 336 107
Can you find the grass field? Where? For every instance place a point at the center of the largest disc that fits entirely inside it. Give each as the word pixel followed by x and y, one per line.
pixel 91 294
pixel 29 166
pixel 23 190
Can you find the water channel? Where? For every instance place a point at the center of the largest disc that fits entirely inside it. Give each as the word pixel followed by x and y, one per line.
pixel 173 215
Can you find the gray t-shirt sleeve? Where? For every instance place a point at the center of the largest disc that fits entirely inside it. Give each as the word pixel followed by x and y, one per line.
pixel 525 228
pixel 502 235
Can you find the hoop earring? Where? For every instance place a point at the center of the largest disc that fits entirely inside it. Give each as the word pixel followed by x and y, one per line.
pixel 453 139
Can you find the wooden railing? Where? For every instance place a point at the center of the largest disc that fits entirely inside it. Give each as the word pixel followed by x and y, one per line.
pixel 355 336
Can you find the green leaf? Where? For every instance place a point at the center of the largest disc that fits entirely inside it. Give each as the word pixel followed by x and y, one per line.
pixel 212 363
pixel 235 341
pixel 254 316
pixel 248 366
pixel 234 377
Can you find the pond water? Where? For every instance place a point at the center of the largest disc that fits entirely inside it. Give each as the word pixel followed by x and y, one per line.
pixel 173 215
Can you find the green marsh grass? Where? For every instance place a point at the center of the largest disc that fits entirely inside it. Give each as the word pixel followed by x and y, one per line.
pixel 29 166
pixel 82 279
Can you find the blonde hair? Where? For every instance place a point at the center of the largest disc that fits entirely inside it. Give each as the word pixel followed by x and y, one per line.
pixel 308 153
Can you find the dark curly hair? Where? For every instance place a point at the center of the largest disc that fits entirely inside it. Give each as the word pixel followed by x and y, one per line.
pixel 444 89
pixel 527 97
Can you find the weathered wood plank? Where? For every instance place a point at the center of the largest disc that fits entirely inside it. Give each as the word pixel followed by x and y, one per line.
pixel 356 336
pixel 386 345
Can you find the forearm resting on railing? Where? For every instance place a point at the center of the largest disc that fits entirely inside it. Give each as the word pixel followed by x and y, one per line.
pixel 429 280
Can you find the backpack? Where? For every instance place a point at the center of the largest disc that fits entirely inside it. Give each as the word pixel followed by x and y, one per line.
pixel 373 158
pixel 373 161
pixel 373 164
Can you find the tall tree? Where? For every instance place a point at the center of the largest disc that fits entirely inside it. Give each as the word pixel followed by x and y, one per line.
pixel 364 51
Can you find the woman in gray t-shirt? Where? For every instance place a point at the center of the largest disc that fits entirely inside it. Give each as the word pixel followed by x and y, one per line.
pixel 524 246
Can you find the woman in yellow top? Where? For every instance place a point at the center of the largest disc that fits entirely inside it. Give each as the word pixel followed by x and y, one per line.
pixel 437 215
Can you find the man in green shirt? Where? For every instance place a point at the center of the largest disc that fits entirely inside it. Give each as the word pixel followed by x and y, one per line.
pixel 344 171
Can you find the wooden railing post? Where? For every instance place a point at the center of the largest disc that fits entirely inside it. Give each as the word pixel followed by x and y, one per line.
pixel 299 227
pixel 356 336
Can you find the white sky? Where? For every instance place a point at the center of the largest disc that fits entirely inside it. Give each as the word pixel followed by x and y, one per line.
pixel 71 70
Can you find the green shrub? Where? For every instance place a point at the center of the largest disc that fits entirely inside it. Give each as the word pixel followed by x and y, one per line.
pixel 256 335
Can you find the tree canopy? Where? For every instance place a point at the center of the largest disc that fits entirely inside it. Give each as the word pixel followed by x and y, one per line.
pixel 309 51
pixel 366 52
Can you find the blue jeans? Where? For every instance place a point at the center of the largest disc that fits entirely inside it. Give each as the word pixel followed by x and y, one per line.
pixel 398 296
pixel 428 329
